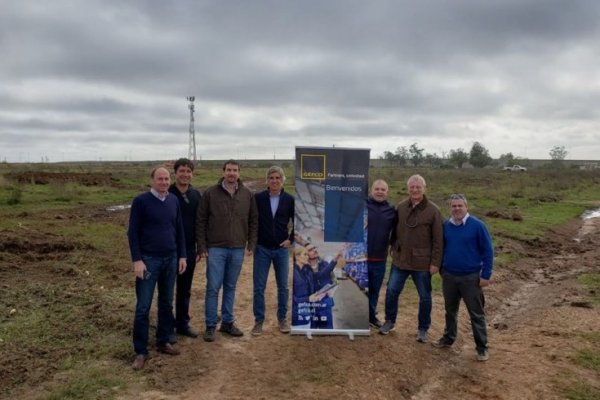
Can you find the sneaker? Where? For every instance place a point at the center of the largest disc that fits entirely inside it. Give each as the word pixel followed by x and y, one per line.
pixel 442 343
pixel 386 328
pixel 257 330
pixel 483 355
pixel 375 323
pixel 284 327
pixel 230 329
pixel 422 336
pixel 209 334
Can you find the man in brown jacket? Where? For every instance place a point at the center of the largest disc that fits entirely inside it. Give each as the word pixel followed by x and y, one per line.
pixel 226 229
pixel 416 250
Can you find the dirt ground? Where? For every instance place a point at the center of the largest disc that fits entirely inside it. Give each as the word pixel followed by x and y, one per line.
pixel 538 316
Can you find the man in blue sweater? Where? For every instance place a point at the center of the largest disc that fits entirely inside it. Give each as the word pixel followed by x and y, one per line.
pixel 157 245
pixel 189 198
pixel 381 222
pixel 275 235
pixel 466 268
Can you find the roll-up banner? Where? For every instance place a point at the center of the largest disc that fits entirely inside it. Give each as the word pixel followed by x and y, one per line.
pixel 330 279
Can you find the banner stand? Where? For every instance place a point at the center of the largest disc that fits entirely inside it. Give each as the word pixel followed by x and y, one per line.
pixel 330 281
pixel 350 332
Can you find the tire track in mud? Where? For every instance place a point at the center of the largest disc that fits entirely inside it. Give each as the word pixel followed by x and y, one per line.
pixel 546 290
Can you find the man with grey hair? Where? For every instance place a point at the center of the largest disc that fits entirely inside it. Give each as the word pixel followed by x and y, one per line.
pixel 416 250
pixel 275 235
pixel 466 268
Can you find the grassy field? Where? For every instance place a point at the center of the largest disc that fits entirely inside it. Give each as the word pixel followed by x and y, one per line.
pixel 66 297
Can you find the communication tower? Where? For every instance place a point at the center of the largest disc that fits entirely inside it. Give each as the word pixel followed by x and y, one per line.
pixel 192 146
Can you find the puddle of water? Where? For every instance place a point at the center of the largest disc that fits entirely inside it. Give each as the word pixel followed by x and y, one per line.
pixel 119 207
pixel 589 214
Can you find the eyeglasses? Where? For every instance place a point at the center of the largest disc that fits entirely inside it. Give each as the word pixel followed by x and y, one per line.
pixel 185 198
pixel 458 196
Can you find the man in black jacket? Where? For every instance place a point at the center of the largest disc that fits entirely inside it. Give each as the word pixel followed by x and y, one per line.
pixel 189 198
pixel 275 235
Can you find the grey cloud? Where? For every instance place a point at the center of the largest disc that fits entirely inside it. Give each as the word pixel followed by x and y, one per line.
pixel 398 71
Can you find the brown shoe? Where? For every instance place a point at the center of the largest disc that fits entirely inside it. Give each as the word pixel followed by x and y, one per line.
pixel 258 329
pixel 168 348
pixel 284 327
pixel 139 362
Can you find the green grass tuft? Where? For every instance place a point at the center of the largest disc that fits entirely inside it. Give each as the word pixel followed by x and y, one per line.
pixel 592 282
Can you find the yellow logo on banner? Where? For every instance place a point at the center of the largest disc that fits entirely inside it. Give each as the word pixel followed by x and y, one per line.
pixel 312 166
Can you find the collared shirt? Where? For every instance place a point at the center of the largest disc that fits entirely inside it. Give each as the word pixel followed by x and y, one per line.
pixel 157 195
pixel 462 221
pixel 274 198
pixel 225 186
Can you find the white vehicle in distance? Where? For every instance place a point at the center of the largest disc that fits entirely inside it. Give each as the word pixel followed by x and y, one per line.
pixel 516 168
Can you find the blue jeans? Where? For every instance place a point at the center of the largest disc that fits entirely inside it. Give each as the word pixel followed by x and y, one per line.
pixel 376 270
pixel 223 269
pixel 184 290
pixel 263 257
pixel 161 271
pixel 422 280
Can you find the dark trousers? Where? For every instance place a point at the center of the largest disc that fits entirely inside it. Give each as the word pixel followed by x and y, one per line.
pixel 466 287
pixel 161 272
pixel 376 270
pixel 184 292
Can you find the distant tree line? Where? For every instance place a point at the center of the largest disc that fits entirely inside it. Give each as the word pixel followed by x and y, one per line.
pixel 478 157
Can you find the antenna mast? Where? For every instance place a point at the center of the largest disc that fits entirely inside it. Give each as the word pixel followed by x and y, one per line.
pixel 192 146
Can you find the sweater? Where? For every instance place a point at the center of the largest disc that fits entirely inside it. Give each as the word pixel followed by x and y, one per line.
pixel 155 227
pixel 381 222
pixel 468 248
pixel 273 230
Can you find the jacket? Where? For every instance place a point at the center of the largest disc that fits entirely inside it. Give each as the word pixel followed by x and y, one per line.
pixel 226 221
pixel 189 211
pixel 273 230
pixel 418 240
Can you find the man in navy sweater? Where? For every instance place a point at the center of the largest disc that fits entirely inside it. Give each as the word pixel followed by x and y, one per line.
pixel 275 235
pixel 189 198
pixel 466 268
pixel 381 222
pixel 157 245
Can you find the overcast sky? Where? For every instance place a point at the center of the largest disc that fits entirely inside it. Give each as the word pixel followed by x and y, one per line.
pixel 90 80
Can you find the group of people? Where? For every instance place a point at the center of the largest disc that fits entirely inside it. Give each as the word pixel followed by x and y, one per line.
pixel 421 244
pixel 172 227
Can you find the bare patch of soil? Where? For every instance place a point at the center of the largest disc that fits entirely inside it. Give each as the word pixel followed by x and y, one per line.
pixel 534 329
pixel 536 326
